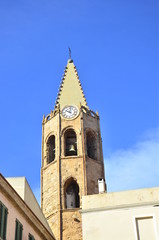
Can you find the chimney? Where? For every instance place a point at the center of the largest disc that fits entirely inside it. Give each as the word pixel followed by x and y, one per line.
pixel 101 185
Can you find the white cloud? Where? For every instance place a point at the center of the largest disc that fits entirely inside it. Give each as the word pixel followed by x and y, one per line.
pixel 136 167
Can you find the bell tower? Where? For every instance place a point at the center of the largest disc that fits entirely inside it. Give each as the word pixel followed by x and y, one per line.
pixel 72 159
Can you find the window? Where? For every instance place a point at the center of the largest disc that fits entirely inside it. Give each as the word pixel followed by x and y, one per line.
pixel 18 230
pixel 145 228
pixel 3 221
pixel 72 195
pixel 51 149
pixel 31 237
pixel 91 145
pixel 70 143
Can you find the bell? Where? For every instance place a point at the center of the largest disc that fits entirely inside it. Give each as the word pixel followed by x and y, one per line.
pixel 72 148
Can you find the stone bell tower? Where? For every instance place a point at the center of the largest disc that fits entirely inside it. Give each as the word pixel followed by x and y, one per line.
pixel 72 159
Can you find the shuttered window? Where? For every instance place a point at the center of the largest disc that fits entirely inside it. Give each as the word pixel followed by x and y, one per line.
pixel 31 237
pixel 3 221
pixel 18 230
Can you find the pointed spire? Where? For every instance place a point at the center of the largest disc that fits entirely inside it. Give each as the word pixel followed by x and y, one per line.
pixel 70 90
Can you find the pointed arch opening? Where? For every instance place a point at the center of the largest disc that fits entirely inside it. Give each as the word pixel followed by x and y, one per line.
pixel 50 149
pixel 70 143
pixel 72 199
pixel 91 145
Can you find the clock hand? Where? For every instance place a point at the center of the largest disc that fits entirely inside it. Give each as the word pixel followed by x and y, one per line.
pixel 68 111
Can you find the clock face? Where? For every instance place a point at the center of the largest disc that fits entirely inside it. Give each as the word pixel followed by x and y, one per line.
pixel 70 112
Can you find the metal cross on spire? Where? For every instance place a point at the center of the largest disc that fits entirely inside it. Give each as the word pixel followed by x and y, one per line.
pixel 69 53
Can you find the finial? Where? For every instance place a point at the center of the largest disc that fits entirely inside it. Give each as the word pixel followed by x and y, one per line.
pixel 70 60
pixel 69 53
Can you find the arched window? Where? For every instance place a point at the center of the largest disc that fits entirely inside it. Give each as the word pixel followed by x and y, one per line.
pixel 70 143
pixel 91 145
pixel 72 195
pixel 51 149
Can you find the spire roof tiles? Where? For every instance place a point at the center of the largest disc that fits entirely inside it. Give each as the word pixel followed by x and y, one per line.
pixel 70 89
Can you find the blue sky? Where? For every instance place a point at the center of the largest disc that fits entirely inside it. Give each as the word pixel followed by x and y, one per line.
pixel 115 49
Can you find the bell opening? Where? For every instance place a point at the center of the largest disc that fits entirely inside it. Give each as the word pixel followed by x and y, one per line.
pixel 70 143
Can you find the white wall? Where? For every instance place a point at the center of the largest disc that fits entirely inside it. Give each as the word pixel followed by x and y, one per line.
pixel 128 215
pixel 120 224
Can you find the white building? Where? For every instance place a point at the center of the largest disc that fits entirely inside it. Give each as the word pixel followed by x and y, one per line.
pixel 128 215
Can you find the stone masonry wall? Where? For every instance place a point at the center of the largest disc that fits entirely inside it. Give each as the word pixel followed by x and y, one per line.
pixel 53 223
pixel 50 189
pixel 71 168
pixel 72 225
pixel 94 170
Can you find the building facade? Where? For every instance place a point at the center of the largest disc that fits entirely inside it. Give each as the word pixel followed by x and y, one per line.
pixel 19 220
pixel 72 158
pixel 127 215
